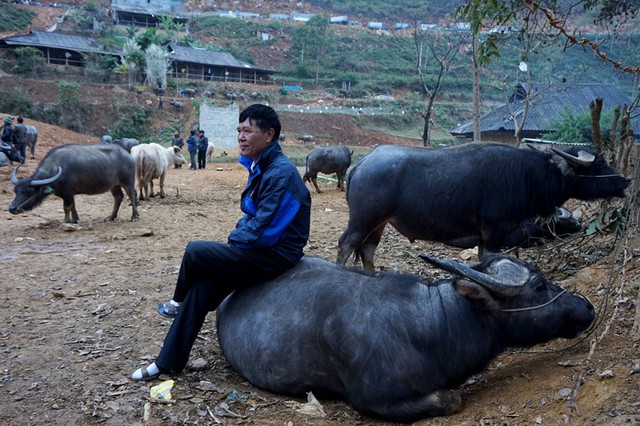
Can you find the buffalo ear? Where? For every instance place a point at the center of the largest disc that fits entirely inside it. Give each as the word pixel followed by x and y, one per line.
pixel 476 294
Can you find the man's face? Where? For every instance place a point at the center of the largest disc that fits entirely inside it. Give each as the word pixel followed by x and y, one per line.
pixel 251 140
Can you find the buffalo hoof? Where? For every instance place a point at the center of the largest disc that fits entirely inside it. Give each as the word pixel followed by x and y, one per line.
pixel 109 219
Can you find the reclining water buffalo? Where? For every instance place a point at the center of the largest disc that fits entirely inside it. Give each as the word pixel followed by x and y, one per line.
pixel 68 170
pixel 532 232
pixel 126 143
pixel 152 162
pixel 328 159
pixel 481 190
pixel 10 152
pixel 391 345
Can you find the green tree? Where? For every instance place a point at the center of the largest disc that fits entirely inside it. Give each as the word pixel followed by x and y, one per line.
pixel 311 44
pixel 67 94
pixel 29 62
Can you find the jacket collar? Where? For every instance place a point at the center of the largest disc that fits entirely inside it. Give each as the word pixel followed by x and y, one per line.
pixel 266 156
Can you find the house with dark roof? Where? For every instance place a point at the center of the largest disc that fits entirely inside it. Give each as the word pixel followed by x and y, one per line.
pixel 59 48
pixel 147 13
pixel 186 62
pixel 201 64
pixel 546 104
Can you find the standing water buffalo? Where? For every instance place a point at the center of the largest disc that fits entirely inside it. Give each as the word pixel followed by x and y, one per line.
pixel 481 190
pixel 152 162
pixel 25 135
pixel 68 170
pixel 328 159
pixel 391 345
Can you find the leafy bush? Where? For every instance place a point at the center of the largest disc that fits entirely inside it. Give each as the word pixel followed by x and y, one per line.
pixel 29 62
pixel 576 128
pixel 130 122
pixel 17 103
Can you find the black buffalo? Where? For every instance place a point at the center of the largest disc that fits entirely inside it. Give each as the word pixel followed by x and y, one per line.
pixel 10 152
pixel 78 169
pixel 391 345
pixel 481 190
pixel 327 159
pixel 126 143
pixel 532 232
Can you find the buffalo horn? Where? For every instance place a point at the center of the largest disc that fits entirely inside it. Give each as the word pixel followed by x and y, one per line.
pixel 583 159
pixel 562 213
pixel 14 175
pixel 47 181
pixel 507 280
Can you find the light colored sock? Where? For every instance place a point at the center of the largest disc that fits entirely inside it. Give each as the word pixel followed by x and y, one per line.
pixel 152 369
pixel 174 303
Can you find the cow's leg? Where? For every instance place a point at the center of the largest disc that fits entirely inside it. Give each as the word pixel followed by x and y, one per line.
pixel 151 193
pixel 314 180
pixel 443 402
pixel 162 176
pixel 130 189
pixel 118 196
pixel 340 181
pixel 368 247
pixel 492 237
pixel 141 193
pixel 70 213
pixel 358 238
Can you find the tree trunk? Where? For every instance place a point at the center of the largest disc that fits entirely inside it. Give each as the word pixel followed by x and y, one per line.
pixel 613 138
pixel 425 130
pixel 476 91
pixel 596 111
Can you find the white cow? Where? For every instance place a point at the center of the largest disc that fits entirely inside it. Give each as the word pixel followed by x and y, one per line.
pixel 152 162
pixel 210 150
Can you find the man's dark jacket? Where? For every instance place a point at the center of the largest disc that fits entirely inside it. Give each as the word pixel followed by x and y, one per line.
pixel 276 205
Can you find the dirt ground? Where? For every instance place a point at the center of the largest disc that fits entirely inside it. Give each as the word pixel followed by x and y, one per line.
pixel 79 313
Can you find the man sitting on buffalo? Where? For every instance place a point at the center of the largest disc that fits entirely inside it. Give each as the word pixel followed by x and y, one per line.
pixel 267 241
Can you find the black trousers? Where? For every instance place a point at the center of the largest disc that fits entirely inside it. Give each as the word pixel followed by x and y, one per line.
pixel 210 271
pixel 202 158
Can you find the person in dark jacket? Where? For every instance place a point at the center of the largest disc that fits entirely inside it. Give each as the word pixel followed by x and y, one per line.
pixel 267 241
pixel 192 146
pixel 179 142
pixel 203 143
pixel 20 138
pixel 7 130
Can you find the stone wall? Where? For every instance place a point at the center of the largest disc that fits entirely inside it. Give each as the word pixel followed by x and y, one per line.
pixel 220 126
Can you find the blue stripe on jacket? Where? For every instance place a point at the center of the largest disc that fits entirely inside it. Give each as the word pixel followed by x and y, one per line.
pixel 278 226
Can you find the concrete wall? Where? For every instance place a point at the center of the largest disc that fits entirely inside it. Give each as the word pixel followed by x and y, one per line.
pixel 220 125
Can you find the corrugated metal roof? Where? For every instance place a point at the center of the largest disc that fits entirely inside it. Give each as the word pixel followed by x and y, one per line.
pixel 88 44
pixel 59 41
pixel 546 105
pixel 209 57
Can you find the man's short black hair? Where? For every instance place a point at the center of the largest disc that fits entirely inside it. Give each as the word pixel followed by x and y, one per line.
pixel 264 117
pixel 192 132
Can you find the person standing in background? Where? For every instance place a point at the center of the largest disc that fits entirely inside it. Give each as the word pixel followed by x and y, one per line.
pixel 192 146
pixel 203 144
